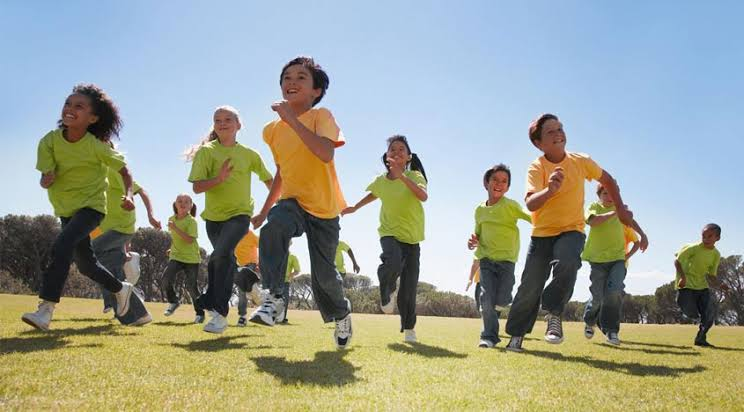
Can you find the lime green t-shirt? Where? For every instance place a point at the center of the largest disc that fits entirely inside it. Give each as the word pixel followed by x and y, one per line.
pixel 80 171
pixel 697 261
pixel 118 219
pixel 293 264
pixel 342 247
pixel 233 196
pixel 401 213
pixel 182 251
pixel 606 241
pixel 497 231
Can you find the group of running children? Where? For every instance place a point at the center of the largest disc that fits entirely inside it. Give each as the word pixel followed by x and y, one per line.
pixel 91 188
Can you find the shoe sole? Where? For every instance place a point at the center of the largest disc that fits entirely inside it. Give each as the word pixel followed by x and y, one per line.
pixel 613 343
pixel 125 304
pixel 554 342
pixel 216 331
pixel 143 320
pixel 32 323
pixel 259 320
pixel 515 350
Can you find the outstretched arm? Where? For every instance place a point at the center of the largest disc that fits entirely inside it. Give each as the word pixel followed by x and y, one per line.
pixel 611 186
pixel 353 260
pixel 148 205
pixel 365 200
pixel 275 191
pixel 127 202
pixel 473 269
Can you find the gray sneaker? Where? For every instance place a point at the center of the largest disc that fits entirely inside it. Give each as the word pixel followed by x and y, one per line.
pixel 588 331
pixel 171 308
pixel 613 339
pixel 515 344
pixel 554 332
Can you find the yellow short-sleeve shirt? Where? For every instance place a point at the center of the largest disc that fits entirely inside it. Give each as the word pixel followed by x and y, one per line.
pixel 246 250
pixel 564 212
pixel 309 180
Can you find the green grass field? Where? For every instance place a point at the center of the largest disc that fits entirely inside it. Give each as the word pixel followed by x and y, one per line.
pixel 89 362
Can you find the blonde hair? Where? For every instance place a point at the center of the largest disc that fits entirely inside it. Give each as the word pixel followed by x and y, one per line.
pixel 190 151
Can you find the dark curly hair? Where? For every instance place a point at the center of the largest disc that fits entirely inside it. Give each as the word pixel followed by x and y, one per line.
pixel 109 122
pixel 320 78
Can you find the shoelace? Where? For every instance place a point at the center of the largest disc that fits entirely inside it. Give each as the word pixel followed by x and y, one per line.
pixel 343 325
pixel 554 326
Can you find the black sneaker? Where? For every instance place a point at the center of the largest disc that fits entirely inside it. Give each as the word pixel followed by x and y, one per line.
pixel 704 343
pixel 242 321
pixel 515 344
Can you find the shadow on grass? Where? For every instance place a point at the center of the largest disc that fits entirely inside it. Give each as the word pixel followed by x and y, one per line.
pixel 326 369
pixel 171 323
pixel 656 345
pixel 84 319
pixel 716 347
pixel 689 352
pixel 213 345
pixel 427 351
pixel 35 340
pixel 629 368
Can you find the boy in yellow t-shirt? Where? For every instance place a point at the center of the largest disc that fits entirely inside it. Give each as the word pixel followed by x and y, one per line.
pixel 697 265
pixel 247 274
pixel 303 141
pixel 555 196
pixel 605 251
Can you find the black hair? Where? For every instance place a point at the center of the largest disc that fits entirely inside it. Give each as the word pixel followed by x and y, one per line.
pixel 535 129
pixel 320 77
pixel 415 162
pixel 498 168
pixel 109 122
pixel 713 226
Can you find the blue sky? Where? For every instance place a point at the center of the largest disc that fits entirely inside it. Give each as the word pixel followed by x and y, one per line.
pixel 651 90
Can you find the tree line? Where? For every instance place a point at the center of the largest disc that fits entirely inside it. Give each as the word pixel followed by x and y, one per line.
pixel 25 249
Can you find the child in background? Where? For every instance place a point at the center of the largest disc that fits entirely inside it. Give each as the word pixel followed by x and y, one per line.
pixel 475 277
pixel 401 191
pixel 496 238
pixel 293 269
pixel 303 142
pixel 605 251
pixel 184 256
pixel 222 169
pixel 73 160
pixel 340 266
pixel 555 196
pixel 696 266
pixel 116 230
pixel 247 274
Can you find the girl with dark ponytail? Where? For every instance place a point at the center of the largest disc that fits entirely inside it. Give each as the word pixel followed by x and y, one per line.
pixel 401 190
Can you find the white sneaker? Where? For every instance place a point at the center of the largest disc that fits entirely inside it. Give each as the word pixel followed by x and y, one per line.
pixel 613 339
pixel 199 319
pixel 343 332
pixel 122 299
pixel 171 308
pixel 270 310
pixel 41 318
pixel 390 307
pixel 107 309
pixel 485 343
pixel 554 332
pixel 588 331
pixel 144 320
pixel 410 335
pixel 217 324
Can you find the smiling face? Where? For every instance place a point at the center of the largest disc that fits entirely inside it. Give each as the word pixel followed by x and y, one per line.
pixel 226 124
pixel 710 237
pixel 297 86
pixel 497 185
pixel 77 113
pixel 552 140
pixel 183 205
pixel 398 151
pixel 604 197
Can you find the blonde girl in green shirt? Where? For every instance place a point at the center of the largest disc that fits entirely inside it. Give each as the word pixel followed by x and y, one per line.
pixel 401 190
pixel 222 169
pixel 73 160
pixel 183 256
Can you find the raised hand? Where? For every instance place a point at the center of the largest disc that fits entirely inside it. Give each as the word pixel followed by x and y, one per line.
pixel 555 180
pixel 473 241
pixel 284 110
pixel 127 203
pixel 225 170
pixel 47 179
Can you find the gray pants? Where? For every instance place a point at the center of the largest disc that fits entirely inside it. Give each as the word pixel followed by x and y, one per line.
pixel 287 220
pixel 110 250
pixel 400 260
pixel 607 288
pixel 191 271
pixel 562 254
pixel 497 282
pixel 698 305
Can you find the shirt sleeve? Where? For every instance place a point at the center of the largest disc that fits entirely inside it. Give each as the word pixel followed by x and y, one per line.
pixel 714 266
pixel 109 156
pixel 591 211
pixel 417 178
pixel 477 228
pixel 374 187
pixel 136 188
pixel 519 212
pixel 200 166
pixel 45 155
pixel 259 167
pixel 536 180
pixel 591 169
pixel 630 234
pixel 325 126
pixel 683 253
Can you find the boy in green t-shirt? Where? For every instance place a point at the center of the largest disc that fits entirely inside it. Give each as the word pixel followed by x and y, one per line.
pixel 696 265
pixel 496 238
pixel 605 252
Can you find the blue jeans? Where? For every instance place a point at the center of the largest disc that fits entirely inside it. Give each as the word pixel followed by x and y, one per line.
pixel 698 305
pixel 562 254
pixel 400 260
pixel 111 253
pixel 607 295
pixel 73 242
pixel 287 220
pixel 224 236
pixel 497 282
